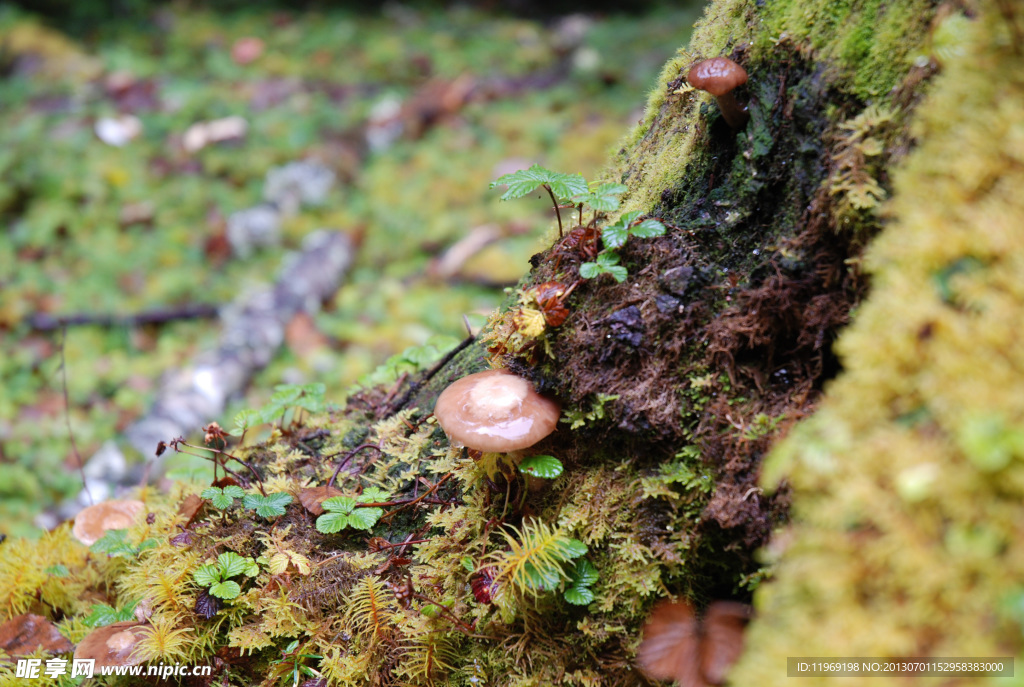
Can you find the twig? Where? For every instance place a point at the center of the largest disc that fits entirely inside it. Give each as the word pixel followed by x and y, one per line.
pixel 180 441
pixel 67 414
pixel 425 494
pixel 400 403
pixel 348 457
pixel 46 322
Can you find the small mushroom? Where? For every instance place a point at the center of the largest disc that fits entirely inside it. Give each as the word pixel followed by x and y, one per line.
pixel 495 412
pixel 94 521
pixel 113 645
pixel 719 76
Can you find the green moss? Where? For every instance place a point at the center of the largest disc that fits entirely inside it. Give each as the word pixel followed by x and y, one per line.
pixel 909 481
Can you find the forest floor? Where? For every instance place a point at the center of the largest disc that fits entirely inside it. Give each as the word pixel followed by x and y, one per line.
pixel 116 205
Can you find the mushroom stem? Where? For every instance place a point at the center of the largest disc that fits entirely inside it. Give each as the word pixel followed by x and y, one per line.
pixel 735 114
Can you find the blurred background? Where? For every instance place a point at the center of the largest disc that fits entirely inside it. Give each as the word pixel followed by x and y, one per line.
pixel 158 161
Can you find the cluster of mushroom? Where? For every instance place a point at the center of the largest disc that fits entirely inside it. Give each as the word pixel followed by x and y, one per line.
pixel 495 412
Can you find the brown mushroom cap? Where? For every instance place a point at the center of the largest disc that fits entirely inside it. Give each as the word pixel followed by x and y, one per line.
pixel 113 645
pixel 93 521
pixel 496 412
pixel 717 76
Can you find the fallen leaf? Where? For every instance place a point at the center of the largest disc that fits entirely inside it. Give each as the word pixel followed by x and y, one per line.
pixel 312 497
pixel 24 634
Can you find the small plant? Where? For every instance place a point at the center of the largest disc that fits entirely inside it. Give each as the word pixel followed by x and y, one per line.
pixel 581 577
pixel 535 559
pixel 547 467
pixel 615 235
pixel 293 655
pixel 222 498
pixel 346 511
pixel 115 544
pixel 561 187
pixel 102 614
pixel 269 506
pixel 308 397
pixel 216 577
pixel 607 263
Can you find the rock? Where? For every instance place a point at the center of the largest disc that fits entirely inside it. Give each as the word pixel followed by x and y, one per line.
pixel 676 280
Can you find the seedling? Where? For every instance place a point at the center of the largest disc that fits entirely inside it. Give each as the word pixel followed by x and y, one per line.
pixel 222 498
pixel 269 506
pixel 561 187
pixel 615 235
pixel 115 544
pixel 102 614
pixel 216 577
pixel 293 655
pixel 345 511
pixel 607 263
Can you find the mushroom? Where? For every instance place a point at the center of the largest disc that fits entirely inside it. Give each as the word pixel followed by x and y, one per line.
pixel 495 412
pixel 719 76
pixel 94 521
pixel 113 645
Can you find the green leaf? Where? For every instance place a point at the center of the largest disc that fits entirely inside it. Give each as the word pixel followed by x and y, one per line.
pixel 150 543
pixel 614 235
pixel 234 491
pixel 102 615
pixel 232 564
pixel 579 596
pixel 583 573
pixel 225 590
pixel 467 563
pixel 253 569
pixel 365 518
pixel 547 467
pixel 246 419
pixel 541 576
pixel 329 523
pixel 217 497
pixel 570 548
pixel 589 270
pixel 269 506
pixel 114 543
pixel 607 259
pixel 339 504
pixel 603 198
pixel 648 229
pixel 618 273
pixel 525 181
pixel 373 495
pixel 208 574
pixel 59 570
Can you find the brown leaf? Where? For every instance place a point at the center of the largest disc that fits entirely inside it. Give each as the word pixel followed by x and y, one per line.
pixel 312 497
pixel 302 335
pixel 189 508
pixel 24 634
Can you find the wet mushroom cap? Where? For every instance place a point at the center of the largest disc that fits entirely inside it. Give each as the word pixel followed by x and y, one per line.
pixel 94 521
pixel 495 412
pixel 717 76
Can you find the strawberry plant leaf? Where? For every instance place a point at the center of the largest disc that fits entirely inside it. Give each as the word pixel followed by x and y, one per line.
pixel 329 523
pixel 579 596
pixel 232 564
pixel 208 574
pixel 583 573
pixel 365 518
pixel 525 181
pixel 648 229
pixel 547 467
pixel 339 504
pixel 225 590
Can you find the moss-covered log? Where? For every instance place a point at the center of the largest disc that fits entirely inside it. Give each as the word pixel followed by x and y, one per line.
pixel 435 566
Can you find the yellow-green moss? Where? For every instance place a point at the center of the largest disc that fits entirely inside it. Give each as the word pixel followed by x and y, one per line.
pixel 909 481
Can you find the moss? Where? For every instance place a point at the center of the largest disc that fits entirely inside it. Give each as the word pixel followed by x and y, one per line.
pixel 908 481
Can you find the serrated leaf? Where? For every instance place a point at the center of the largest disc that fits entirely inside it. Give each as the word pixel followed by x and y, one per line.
pixel 278 563
pixel 339 504
pixel 245 420
pixel 618 273
pixel 300 562
pixel 232 564
pixel 102 615
pixel 648 229
pixel 614 236
pixel 583 573
pixel 286 394
pixel 220 501
pixel 589 270
pixel 547 467
pixel 234 491
pixel 607 259
pixel 579 596
pixel 269 506
pixel 571 548
pixel 329 523
pixel 365 518
pixel 630 217
pixel 373 495
pixel 208 574
pixel 253 569
pixel 225 590
pixel 114 543
pixel 526 181
pixel 603 198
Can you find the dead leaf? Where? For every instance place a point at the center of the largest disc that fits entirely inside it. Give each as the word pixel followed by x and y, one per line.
pixel 312 497
pixel 24 634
